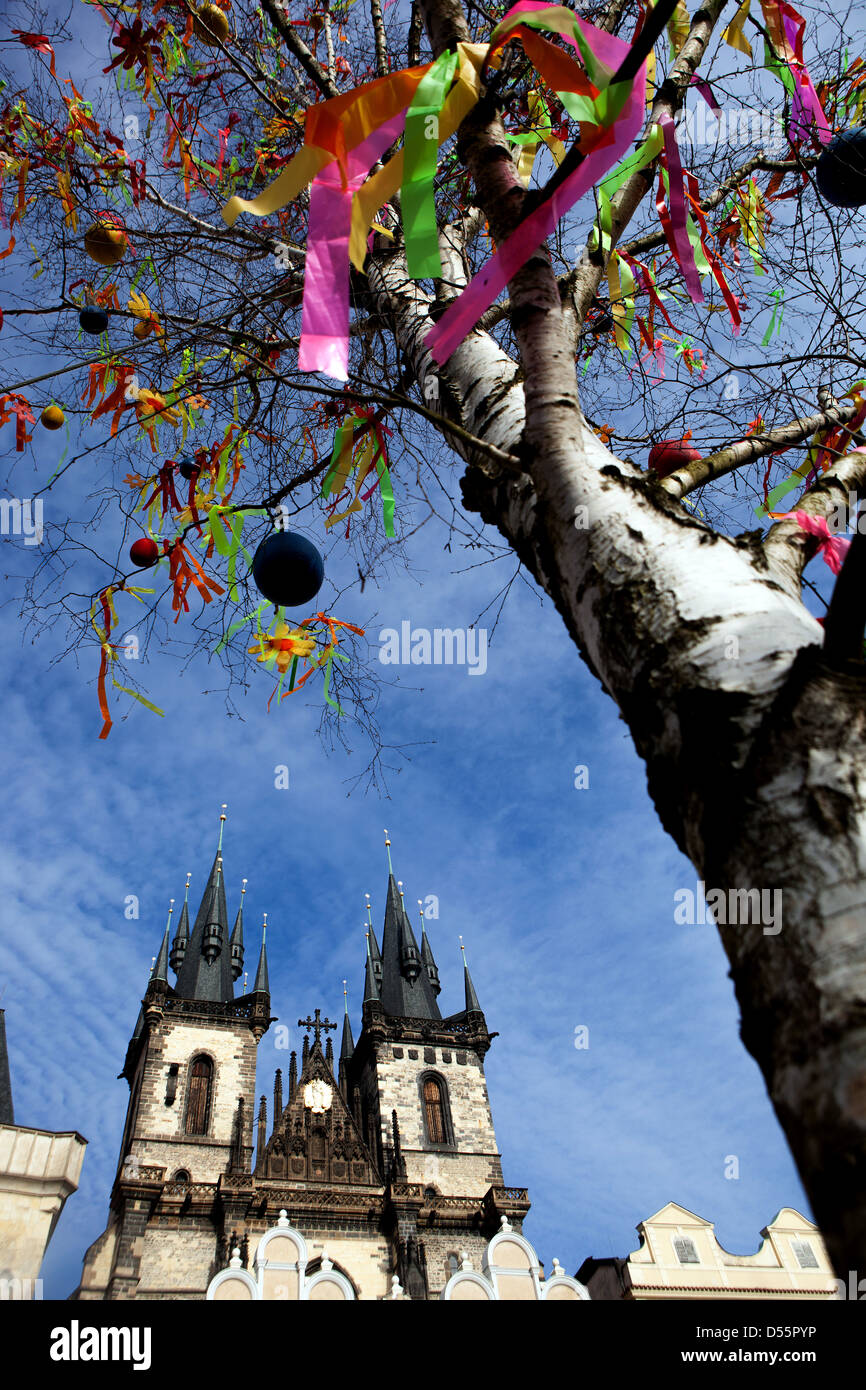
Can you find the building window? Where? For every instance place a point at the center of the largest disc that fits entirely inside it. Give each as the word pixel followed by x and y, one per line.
pixel 805 1254
pixel 453 1263
pixel 685 1251
pixel 434 1110
pixel 182 1177
pixel 199 1098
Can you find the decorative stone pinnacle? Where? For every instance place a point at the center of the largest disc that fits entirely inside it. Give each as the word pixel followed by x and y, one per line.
pixel 283 1217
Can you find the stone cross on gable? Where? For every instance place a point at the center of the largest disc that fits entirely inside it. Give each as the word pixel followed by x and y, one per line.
pixel 317 1024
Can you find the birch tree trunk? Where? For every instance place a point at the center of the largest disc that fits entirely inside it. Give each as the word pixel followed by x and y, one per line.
pixel 753 745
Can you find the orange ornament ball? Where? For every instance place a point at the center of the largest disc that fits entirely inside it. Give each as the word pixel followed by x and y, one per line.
pixel 105 245
pixel 52 417
pixel 211 25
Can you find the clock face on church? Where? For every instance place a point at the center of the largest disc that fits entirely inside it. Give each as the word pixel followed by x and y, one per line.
pixel 317 1096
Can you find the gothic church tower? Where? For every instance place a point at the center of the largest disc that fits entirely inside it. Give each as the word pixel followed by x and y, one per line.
pixel 383 1163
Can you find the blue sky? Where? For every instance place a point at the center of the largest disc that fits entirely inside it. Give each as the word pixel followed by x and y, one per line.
pixel 564 897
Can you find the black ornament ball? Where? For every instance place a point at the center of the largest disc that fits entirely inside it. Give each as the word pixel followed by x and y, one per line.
pixel 188 468
pixel 93 320
pixel 288 569
pixel 841 170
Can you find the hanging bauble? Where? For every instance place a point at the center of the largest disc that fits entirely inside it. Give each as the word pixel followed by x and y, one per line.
pixel 142 329
pixel 670 454
pixel 144 552
pixel 105 244
pixel 93 320
pixel 841 169
pixel 52 417
pixel 211 25
pixel 188 469
pixel 288 569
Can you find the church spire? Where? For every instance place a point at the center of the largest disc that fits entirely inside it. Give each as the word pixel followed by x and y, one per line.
pixel 206 970
pixel 237 939
pixel 472 1004
pixel 427 955
pixel 347 1043
pixel 7 1114
pixel 181 936
pixel 262 984
pixel 375 953
pixel 160 969
pixel 371 989
pixel 406 990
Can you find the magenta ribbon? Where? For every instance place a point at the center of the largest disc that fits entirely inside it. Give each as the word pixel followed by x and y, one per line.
pixel 682 246
pixel 324 343
pixel 805 104
pixel 461 316
pixel 706 92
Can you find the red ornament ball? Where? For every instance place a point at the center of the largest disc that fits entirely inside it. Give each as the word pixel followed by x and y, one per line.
pixel 670 454
pixel 144 552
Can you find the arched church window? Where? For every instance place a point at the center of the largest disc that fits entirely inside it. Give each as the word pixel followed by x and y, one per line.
pixel 199 1099
pixel 434 1110
pixel 182 1177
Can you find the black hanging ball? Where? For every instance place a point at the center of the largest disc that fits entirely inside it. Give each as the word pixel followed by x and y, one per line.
pixel 841 169
pixel 188 468
pixel 93 320
pixel 288 569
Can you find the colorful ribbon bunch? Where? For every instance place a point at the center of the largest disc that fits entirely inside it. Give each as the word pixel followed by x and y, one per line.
pixel 315 641
pixel 360 444
pixel 346 135
pixel 104 607
pixel 827 446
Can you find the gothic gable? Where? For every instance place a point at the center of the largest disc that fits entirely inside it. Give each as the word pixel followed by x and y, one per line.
pixel 316 1138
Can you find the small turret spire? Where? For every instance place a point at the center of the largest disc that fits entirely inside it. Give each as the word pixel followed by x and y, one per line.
pixel 371 989
pixel 160 970
pixel 388 849
pixel 237 938
pixel 181 936
pixel 427 954
pixel 262 985
pixel 347 1042
pixel 222 826
pixel 373 943
pixel 472 1004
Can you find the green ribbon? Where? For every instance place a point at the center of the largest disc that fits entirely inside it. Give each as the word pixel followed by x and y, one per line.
pixel 775 324
pixel 420 159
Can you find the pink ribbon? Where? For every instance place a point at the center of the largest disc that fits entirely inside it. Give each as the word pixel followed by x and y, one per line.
pixel 461 316
pixel 833 548
pixel 324 343
pixel 706 92
pixel 805 105
pixel 680 244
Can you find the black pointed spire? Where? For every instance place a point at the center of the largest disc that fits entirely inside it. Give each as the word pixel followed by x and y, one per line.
pixel 427 955
pixel 237 938
pixel 329 1053
pixel 305 1052
pixel 181 936
pixel 371 988
pixel 7 1114
pixel 375 953
pixel 262 985
pixel 206 971
pixel 472 1004
pixel 159 973
pixel 406 991
pixel 347 1042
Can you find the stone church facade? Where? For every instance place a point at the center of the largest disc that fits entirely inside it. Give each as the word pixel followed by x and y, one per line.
pixel 373 1174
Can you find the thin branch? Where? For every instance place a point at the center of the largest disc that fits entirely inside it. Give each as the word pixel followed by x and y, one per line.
pixel 295 44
